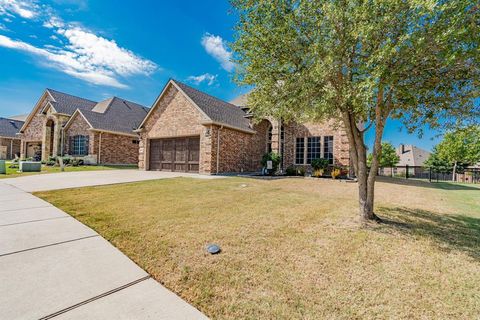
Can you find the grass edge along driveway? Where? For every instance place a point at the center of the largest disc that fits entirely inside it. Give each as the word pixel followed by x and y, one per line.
pixel 291 248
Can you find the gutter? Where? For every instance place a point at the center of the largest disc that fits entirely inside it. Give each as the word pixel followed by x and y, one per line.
pixel 223 125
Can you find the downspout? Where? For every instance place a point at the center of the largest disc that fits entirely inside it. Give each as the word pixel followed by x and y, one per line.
pixel 99 147
pixel 11 149
pixel 218 149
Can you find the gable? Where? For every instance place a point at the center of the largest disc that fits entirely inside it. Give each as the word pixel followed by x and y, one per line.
pixel 173 115
pixel 41 103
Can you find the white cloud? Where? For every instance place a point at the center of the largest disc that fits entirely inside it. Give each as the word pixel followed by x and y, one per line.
pixel 99 62
pixel 206 77
pixel 25 9
pixel 217 48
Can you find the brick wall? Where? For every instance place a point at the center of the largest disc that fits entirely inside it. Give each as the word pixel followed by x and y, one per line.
pixel 79 126
pixel 117 149
pixel 340 141
pixel 175 116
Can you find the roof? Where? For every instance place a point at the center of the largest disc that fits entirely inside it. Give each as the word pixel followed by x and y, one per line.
pixel 241 100
pixel 217 110
pixel 10 127
pixel 67 103
pixel 412 155
pixel 19 117
pixel 119 115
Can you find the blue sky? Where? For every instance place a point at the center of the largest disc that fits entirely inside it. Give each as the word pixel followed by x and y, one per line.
pixel 96 49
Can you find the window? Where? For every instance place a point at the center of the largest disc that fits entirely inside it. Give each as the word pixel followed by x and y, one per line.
pixel 313 149
pixel 300 151
pixel 269 139
pixel 328 148
pixel 80 145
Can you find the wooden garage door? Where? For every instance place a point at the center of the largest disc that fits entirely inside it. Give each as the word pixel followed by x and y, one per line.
pixel 175 154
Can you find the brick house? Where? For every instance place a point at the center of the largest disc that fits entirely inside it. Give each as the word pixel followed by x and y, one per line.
pixel 188 130
pixel 99 132
pixel 9 140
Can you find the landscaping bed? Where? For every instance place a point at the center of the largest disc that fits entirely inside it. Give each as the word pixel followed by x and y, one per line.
pixel 292 249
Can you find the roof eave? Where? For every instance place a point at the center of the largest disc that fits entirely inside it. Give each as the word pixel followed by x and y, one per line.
pixel 225 125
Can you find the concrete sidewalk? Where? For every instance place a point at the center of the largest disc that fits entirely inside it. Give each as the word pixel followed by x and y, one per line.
pixel 65 180
pixel 52 266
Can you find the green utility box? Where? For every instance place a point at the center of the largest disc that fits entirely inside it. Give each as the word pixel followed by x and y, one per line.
pixel 30 166
pixel 3 168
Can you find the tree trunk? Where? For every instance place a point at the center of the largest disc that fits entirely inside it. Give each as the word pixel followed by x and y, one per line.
pixel 454 174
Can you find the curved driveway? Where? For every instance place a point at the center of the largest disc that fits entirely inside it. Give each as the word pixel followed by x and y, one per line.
pixel 52 266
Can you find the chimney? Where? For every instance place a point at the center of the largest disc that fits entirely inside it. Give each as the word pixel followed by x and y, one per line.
pixel 402 148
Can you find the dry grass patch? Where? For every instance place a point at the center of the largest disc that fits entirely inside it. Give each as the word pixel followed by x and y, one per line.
pixel 290 249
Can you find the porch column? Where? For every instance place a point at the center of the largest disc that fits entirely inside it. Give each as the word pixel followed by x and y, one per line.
pixel 45 142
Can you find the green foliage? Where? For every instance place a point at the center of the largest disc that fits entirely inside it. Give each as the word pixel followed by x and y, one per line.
pixel 301 171
pixel 291 171
pixel 416 60
pixel 320 164
pixel 437 163
pixel 388 158
pixel 50 163
pixel 274 157
pixel 461 146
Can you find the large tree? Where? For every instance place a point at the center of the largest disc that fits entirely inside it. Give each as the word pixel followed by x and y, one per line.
pixel 388 158
pixel 360 62
pixel 460 147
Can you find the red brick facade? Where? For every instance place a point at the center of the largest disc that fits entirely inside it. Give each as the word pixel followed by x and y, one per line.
pixel 225 149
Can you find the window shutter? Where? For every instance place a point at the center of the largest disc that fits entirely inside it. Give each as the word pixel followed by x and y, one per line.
pixel 70 145
pixel 86 146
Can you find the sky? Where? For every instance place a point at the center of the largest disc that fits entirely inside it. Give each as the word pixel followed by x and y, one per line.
pixel 99 49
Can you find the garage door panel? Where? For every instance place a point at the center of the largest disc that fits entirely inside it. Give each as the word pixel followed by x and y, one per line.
pixel 175 154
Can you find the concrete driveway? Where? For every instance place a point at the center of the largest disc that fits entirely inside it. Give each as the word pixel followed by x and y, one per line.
pixel 65 180
pixel 53 266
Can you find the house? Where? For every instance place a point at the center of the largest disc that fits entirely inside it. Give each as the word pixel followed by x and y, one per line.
pixel 99 132
pixel 191 131
pixel 411 155
pixel 9 141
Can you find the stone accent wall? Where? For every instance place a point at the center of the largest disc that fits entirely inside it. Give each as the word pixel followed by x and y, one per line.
pixel 80 127
pixel 9 143
pixel 340 141
pixel 117 149
pixel 33 132
pixel 175 116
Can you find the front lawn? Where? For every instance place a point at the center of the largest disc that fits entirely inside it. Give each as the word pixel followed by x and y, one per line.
pixel 291 247
pixel 13 172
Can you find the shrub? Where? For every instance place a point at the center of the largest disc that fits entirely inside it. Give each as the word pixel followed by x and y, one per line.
pixel 336 173
pixel 275 158
pixel 66 160
pixel 50 163
pixel 318 173
pixel 291 171
pixel 301 171
pixel 50 158
pixel 319 164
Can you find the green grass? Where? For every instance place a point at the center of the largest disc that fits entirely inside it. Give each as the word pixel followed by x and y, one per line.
pixel 292 248
pixel 13 172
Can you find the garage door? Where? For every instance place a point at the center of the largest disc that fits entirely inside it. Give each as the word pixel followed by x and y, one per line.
pixel 175 154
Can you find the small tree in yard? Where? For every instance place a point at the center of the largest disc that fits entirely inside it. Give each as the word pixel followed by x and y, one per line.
pixel 460 147
pixel 388 157
pixel 357 63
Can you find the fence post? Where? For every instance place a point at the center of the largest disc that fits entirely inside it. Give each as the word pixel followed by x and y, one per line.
pixel 430 174
pixel 406 171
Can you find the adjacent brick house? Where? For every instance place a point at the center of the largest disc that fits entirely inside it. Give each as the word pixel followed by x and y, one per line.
pixel 188 130
pixel 62 124
pixel 9 140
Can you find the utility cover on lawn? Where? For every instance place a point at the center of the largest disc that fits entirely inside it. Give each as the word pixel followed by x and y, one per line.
pixel 213 249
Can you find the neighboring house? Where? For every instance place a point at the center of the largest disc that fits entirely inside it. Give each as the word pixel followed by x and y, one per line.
pixel 188 130
pixel 411 155
pixel 98 132
pixel 9 140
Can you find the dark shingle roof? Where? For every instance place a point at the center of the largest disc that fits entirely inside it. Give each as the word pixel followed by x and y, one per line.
pixel 217 110
pixel 120 116
pixel 9 127
pixel 67 104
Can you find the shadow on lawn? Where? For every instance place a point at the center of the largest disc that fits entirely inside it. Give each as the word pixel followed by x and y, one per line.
pixel 426 184
pixel 450 232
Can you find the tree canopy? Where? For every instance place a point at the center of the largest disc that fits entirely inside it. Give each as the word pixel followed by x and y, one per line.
pixel 388 158
pixel 360 62
pixel 461 146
